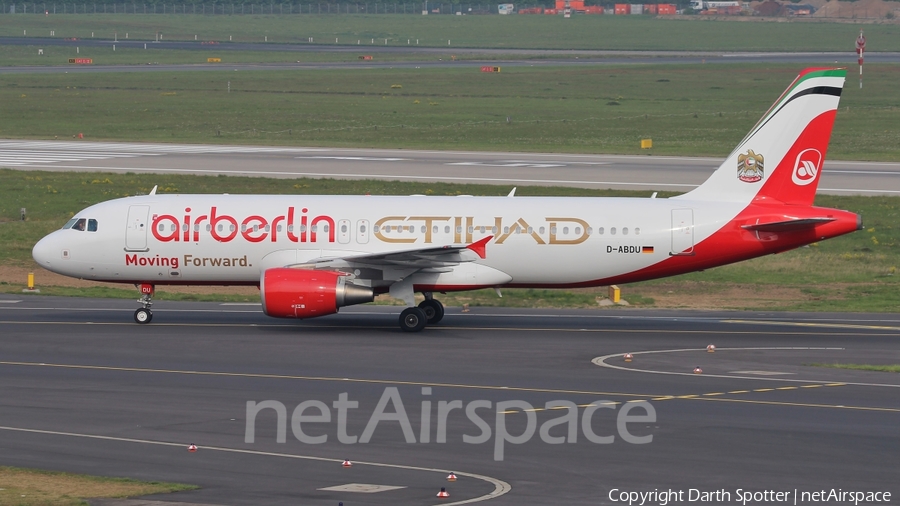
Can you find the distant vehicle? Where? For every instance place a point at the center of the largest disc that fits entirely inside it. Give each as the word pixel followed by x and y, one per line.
pixel 312 255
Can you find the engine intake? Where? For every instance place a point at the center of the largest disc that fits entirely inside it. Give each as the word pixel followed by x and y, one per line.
pixel 305 293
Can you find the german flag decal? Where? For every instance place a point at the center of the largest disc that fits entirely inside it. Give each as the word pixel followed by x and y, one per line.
pixel 647 249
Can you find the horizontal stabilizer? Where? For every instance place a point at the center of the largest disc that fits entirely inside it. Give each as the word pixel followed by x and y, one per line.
pixel 788 226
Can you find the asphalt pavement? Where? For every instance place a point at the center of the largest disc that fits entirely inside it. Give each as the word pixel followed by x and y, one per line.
pixel 84 389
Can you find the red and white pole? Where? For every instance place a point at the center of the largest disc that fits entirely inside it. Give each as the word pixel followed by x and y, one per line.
pixel 860 50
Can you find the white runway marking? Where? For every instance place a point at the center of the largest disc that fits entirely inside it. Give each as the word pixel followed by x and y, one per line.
pixel 500 487
pixel 531 165
pixel 352 158
pixel 32 153
pixel 761 373
pixel 601 361
pixel 368 176
pixel 361 488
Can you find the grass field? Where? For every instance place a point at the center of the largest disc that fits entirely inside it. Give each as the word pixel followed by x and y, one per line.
pixel 32 487
pixel 895 368
pixel 857 272
pixel 529 32
pixel 685 109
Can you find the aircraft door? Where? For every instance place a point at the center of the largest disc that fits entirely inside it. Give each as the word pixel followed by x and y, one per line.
pixel 136 228
pixel 362 232
pixel 343 231
pixel 682 232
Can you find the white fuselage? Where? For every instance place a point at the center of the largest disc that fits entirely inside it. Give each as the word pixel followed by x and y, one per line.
pixel 231 239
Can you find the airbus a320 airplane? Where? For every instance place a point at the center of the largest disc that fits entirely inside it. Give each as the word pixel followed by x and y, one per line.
pixel 312 255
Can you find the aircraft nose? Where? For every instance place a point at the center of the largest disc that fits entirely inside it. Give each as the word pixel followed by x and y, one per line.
pixel 45 251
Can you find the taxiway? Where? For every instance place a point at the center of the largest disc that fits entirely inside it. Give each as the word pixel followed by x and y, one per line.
pixel 86 390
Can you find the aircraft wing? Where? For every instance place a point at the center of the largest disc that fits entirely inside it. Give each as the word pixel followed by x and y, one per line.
pixel 416 259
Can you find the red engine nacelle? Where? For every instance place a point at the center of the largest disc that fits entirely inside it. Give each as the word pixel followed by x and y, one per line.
pixel 305 293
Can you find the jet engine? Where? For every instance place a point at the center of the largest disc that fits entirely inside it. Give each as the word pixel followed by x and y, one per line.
pixel 305 293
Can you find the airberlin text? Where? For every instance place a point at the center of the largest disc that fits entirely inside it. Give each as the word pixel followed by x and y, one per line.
pixel 301 226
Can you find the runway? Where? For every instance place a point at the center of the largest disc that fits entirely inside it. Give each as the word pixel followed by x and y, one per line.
pixel 645 173
pixel 86 390
pixel 431 57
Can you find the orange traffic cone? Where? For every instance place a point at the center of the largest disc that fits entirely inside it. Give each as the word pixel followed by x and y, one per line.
pixel 628 357
pixel 697 370
pixel 347 463
pixel 711 348
pixel 192 448
pixel 451 477
pixel 443 493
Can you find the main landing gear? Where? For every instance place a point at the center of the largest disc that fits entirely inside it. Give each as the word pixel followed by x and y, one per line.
pixel 428 312
pixel 144 315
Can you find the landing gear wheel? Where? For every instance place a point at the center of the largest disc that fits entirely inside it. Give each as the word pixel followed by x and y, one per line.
pixel 434 310
pixel 143 315
pixel 412 319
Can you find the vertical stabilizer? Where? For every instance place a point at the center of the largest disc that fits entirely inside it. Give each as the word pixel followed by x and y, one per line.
pixel 781 158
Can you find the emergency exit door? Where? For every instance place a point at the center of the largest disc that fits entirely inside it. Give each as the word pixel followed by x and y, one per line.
pixel 136 228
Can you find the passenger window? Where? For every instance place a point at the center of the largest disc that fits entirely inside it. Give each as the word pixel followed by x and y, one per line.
pixel 79 224
pixel 92 225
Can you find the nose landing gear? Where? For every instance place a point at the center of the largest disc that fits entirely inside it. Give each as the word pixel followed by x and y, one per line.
pixel 144 315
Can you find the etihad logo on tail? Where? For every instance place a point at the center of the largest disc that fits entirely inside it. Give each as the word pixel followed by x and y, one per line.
pixel 807 166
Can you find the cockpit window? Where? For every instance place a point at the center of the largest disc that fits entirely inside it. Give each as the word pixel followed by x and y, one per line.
pixel 81 224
